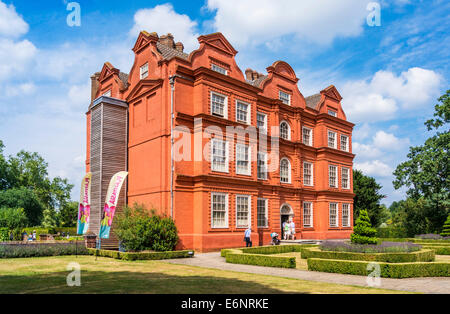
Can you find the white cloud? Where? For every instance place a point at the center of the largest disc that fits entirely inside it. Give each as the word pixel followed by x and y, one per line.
pixel 263 21
pixel 380 98
pixel 388 141
pixel 19 90
pixel 374 168
pixel 365 151
pixel 15 57
pixel 11 24
pixel 163 19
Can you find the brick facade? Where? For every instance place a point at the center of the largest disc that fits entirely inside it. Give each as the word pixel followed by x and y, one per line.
pixel 196 77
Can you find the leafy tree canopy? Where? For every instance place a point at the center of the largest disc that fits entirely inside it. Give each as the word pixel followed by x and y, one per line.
pixel 367 196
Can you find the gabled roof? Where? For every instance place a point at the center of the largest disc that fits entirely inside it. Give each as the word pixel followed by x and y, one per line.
pixel 218 41
pixel 168 52
pixel 258 81
pixel 313 100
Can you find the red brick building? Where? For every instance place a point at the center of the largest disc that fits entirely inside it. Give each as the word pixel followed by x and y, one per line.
pixel 214 186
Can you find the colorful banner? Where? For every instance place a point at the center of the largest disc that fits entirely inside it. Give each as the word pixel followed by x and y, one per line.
pixel 84 209
pixel 112 196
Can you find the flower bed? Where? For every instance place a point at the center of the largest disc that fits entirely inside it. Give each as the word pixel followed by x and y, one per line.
pixel 391 257
pixel 21 249
pixel 387 270
pixel 133 256
pixel 384 247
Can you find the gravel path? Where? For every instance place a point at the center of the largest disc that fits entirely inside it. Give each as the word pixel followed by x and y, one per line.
pixel 214 260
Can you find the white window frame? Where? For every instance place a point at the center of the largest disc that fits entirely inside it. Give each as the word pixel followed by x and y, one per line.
pixel 337 215
pixel 347 148
pixel 312 173
pixel 264 129
pixel 346 223
pixel 289 170
pixel 280 92
pixel 213 168
pixel 346 187
pixel 249 215
pixel 225 105
pixel 335 139
pixel 264 154
pixel 219 69
pixel 335 186
pixel 248 171
pixel 266 213
pixel 144 71
pixel 248 115
pixel 311 225
pixel 226 211
pixel 288 130
pixel 332 113
pixel 310 142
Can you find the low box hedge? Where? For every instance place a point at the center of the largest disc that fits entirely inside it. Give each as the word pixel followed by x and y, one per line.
pixel 277 249
pixel 439 250
pixel 260 260
pixel 394 257
pixel 387 270
pixel 19 250
pixel 133 256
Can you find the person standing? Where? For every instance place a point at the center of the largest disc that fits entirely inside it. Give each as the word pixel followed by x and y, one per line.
pixel 286 230
pixel 247 237
pixel 292 231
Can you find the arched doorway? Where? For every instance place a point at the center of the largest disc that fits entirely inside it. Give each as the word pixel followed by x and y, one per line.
pixel 286 213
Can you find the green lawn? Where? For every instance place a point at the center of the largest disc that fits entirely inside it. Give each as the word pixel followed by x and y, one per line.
pixel 106 275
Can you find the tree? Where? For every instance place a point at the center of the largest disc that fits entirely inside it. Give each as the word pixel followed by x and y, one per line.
pixel 426 172
pixel 12 218
pixel 50 219
pixel 363 233
pixel 410 217
pixel 26 199
pixel 446 228
pixel 68 214
pixel 367 197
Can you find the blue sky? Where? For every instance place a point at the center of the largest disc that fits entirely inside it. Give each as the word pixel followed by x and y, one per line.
pixel 389 75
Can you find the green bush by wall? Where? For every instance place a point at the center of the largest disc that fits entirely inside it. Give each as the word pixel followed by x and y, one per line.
pixel 439 250
pixel 133 256
pixel 394 257
pixel 387 270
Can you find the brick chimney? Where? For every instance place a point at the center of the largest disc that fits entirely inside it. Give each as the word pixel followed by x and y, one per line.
pixel 167 40
pixel 179 46
pixel 94 85
pixel 249 74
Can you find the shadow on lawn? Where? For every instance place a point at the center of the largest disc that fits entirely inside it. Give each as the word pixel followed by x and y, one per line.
pixel 131 282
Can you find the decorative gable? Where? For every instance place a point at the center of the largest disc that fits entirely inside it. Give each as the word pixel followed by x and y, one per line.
pixel 332 92
pixel 143 40
pixel 142 87
pixel 218 41
pixel 107 71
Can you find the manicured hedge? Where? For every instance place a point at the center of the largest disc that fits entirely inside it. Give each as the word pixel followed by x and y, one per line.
pixel 133 256
pixel 41 249
pixel 387 270
pixel 439 250
pixel 419 256
pixel 415 240
pixel 277 249
pixel 261 260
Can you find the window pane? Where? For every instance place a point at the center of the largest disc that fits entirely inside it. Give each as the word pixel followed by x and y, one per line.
pixel 284 130
pixel 262 166
pixel 219 156
pixel 219 69
pixel 333 176
pixel 219 210
pixel 262 213
pixel 284 171
pixel 331 139
pixel 333 215
pixel 242 159
pixel 241 112
pixel 307 214
pixel 242 211
pixel 218 105
pixel 285 98
pixel 307 174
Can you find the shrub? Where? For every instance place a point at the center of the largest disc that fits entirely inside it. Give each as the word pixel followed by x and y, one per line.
pixel 26 199
pixel 395 257
pixel 41 249
pixel 387 270
pixel 277 249
pixel 384 247
pixel 133 256
pixel 12 218
pixel 446 228
pixel 139 229
pixel 363 233
pixel 261 260
pixel 431 236
pixel 439 250
pixel 4 234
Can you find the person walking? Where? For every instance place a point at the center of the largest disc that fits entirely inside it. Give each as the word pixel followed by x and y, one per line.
pixel 247 237
pixel 292 229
